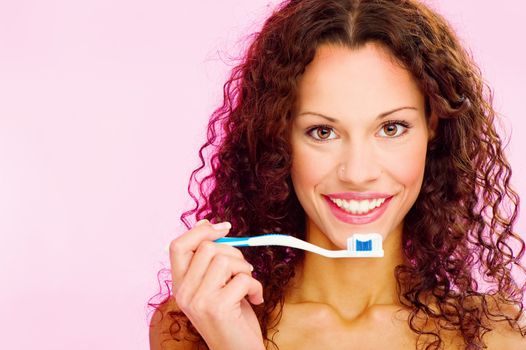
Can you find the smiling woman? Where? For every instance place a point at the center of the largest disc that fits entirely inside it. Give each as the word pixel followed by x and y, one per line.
pixel 350 117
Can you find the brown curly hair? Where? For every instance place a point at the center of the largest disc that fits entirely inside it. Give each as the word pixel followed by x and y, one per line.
pixel 462 221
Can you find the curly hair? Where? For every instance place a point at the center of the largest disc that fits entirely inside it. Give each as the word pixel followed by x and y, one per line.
pixel 460 229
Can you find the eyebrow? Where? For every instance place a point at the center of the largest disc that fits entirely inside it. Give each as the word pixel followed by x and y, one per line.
pixel 380 116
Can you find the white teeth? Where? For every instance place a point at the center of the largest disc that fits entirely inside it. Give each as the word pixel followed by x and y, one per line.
pixel 358 207
pixel 364 207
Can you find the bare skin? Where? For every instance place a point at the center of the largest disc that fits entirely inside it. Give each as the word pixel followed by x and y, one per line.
pixel 316 326
pixel 308 325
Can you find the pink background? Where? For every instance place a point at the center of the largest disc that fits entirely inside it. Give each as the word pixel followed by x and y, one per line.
pixel 103 105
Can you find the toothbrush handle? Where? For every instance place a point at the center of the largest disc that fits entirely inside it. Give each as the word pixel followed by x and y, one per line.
pixel 234 241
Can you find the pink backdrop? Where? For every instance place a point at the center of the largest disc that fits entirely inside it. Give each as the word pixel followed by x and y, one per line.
pixel 103 105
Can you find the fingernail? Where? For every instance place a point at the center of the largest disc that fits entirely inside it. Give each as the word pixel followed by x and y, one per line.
pixel 222 226
pixel 251 268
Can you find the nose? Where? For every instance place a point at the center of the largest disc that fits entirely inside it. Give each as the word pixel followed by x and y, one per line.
pixel 358 164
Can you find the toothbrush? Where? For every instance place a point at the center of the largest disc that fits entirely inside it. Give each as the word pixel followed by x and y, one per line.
pixel 359 245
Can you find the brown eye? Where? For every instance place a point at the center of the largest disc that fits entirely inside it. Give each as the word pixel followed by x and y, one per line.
pixel 323 132
pixel 390 129
pixel 394 129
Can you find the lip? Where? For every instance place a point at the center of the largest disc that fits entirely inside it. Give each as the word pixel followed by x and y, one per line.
pixel 358 219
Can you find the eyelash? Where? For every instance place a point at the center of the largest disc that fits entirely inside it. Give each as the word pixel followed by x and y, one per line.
pixel 389 122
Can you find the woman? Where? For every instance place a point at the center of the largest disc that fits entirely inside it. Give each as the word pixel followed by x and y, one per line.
pixel 344 117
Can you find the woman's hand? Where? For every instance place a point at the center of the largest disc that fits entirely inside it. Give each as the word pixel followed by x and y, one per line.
pixel 210 283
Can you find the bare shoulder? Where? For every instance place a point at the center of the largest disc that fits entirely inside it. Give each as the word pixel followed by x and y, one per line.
pixel 503 336
pixel 160 337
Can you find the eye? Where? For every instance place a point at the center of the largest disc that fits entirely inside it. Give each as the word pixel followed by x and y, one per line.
pixel 320 132
pixel 393 129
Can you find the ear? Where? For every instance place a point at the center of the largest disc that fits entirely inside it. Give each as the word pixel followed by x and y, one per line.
pixel 432 126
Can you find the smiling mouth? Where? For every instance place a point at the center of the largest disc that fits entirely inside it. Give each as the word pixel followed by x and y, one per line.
pixel 358 207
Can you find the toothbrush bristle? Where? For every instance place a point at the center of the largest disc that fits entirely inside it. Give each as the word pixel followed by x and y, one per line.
pixel 364 246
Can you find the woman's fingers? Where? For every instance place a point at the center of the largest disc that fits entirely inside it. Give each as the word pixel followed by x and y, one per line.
pixel 226 283
pixel 229 261
pixel 205 273
pixel 183 247
pixel 218 272
pixel 240 286
pixel 221 269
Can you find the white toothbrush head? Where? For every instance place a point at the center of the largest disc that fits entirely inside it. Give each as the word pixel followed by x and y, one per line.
pixel 365 245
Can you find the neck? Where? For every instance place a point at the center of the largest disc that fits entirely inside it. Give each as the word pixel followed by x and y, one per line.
pixel 351 286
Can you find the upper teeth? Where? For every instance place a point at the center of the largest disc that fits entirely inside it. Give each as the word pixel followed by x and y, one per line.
pixel 358 207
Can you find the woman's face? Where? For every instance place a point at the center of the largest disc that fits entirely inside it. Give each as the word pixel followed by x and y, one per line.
pixel 359 140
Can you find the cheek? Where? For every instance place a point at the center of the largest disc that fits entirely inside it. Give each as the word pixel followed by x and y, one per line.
pixel 407 166
pixel 302 172
pixel 308 168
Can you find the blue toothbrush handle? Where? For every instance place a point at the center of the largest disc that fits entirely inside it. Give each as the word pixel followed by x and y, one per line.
pixel 234 241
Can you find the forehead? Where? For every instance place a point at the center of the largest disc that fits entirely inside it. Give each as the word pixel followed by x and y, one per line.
pixel 365 81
